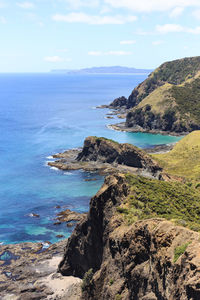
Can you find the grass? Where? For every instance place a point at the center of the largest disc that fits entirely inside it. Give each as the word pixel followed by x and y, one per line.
pixel 174 85
pixel 184 159
pixel 158 99
pixel 177 71
pixel 180 250
pixel 149 198
pixel 173 72
pixel 98 139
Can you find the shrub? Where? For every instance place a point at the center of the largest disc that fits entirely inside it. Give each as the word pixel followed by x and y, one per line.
pixel 87 279
pixel 178 251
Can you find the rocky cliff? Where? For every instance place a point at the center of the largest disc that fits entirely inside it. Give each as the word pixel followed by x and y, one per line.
pixel 168 100
pixel 109 151
pixel 99 153
pixel 139 259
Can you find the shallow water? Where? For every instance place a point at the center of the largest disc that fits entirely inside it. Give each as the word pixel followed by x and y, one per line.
pixel 42 114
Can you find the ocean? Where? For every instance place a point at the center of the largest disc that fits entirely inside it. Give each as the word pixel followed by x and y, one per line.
pixel 42 114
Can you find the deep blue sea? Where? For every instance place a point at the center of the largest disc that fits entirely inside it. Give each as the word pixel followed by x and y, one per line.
pixel 42 114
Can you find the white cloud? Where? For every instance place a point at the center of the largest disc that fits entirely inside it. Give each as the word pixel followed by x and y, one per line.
pixel 76 4
pixel 169 28
pixel 116 53
pixel 128 42
pixel 55 59
pixel 91 19
pixel 26 5
pixel 176 12
pixel 152 5
pixel 105 10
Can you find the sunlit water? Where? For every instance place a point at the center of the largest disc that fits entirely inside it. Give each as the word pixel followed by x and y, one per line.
pixel 42 114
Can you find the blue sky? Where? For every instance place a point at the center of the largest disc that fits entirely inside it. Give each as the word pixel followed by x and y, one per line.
pixel 40 35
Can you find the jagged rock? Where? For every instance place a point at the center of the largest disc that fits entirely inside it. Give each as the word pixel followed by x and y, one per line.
pixel 119 102
pixel 29 271
pixel 108 151
pixel 131 262
pixel 68 216
pixel 108 157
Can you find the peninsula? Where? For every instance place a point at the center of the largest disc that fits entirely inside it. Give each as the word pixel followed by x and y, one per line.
pixel 168 101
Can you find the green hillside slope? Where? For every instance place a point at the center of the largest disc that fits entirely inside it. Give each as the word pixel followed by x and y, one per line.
pixel 169 100
pixel 184 159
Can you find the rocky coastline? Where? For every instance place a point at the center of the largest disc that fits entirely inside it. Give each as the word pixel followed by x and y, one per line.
pixel 29 271
pixel 107 157
pixel 123 127
pixel 140 238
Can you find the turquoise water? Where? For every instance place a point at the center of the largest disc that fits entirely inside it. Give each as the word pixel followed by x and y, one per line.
pixel 42 114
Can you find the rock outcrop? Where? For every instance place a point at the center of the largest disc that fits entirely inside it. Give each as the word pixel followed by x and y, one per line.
pixel 119 102
pixel 29 272
pixel 101 153
pixel 151 259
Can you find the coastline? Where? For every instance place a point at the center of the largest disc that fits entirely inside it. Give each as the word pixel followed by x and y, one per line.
pixel 30 272
pixel 121 127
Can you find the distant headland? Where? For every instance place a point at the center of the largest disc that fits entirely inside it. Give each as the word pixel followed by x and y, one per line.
pixel 105 70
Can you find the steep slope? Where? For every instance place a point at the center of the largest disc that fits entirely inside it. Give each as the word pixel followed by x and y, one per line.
pixel 121 257
pixel 169 108
pixel 172 72
pixel 168 100
pixel 184 159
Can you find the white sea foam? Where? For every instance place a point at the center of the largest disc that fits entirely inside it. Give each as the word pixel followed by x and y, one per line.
pixel 31 215
pixel 50 157
pixel 68 173
pixel 110 127
pixel 54 168
pixel 45 245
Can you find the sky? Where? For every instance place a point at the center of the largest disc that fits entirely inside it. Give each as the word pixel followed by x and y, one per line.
pixel 41 35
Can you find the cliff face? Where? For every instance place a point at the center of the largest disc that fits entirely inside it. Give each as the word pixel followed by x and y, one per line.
pixel 85 247
pixel 168 100
pixel 151 259
pixel 108 151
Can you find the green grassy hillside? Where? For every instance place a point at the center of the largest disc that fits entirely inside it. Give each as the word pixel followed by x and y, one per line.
pixel 172 95
pixel 150 198
pixel 184 159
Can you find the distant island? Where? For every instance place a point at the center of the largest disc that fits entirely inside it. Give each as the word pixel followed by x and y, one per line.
pixel 105 70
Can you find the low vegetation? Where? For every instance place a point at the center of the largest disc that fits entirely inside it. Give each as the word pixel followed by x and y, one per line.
pixel 87 279
pixel 150 198
pixel 174 86
pixel 104 139
pixel 180 250
pixel 184 159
